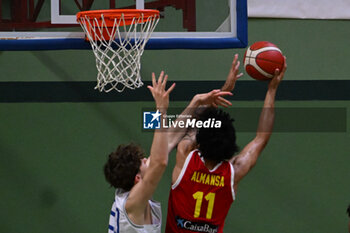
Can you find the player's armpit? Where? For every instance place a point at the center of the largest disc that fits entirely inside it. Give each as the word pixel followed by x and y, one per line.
pixel 247 158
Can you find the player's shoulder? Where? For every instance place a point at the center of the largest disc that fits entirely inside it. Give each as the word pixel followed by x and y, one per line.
pixel 121 196
pixel 233 159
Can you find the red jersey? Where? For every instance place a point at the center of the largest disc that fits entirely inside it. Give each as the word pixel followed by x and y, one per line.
pixel 200 198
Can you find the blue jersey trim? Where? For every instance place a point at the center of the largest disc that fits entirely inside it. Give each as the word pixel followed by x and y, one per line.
pixel 117 220
pixel 113 213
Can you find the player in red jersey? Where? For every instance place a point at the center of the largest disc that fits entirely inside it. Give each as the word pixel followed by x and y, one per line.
pixel 206 174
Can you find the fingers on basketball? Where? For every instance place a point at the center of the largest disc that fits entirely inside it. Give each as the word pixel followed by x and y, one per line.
pixel 285 64
pixel 279 73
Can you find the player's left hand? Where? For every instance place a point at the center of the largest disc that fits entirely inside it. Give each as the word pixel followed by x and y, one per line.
pixel 233 75
pixel 160 95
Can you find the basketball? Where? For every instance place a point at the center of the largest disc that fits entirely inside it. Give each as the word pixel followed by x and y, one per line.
pixel 262 59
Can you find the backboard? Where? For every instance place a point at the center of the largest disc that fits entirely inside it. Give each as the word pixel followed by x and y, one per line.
pixel 184 24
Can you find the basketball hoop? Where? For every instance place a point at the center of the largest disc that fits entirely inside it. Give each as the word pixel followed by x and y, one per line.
pixel 118 39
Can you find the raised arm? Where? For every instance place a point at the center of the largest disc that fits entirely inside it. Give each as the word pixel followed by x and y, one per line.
pixel 158 159
pixel 176 135
pixel 232 76
pixel 213 98
pixel 186 138
pixel 187 142
pixel 247 158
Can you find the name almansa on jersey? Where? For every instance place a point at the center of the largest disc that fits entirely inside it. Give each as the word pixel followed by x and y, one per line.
pixel 194 123
pixel 209 179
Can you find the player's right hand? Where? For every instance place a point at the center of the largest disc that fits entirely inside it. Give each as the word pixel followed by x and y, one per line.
pixel 275 81
pixel 160 95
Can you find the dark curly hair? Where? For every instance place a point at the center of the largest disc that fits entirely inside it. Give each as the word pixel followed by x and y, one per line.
pixel 217 144
pixel 122 166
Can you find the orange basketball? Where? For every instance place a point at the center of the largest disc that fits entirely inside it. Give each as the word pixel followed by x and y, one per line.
pixel 262 59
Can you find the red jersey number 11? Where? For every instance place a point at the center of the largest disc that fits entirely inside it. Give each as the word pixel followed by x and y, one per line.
pixel 198 196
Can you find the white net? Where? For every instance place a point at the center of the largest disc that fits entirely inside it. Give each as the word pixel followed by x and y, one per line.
pixel 118 50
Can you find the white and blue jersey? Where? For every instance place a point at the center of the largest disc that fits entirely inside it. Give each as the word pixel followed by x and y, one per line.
pixel 119 221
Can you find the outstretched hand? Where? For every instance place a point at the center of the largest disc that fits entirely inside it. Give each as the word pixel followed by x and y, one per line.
pixel 277 78
pixel 213 98
pixel 233 75
pixel 160 95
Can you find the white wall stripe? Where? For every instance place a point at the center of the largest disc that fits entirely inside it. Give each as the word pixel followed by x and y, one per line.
pixel 310 9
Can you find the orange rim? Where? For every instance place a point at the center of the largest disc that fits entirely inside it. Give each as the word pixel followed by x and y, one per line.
pixel 111 15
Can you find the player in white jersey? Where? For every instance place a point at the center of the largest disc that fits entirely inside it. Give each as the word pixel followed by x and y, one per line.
pixel 136 178
pixel 120 222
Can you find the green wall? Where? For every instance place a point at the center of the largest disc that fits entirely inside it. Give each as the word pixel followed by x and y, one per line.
pixel 51 154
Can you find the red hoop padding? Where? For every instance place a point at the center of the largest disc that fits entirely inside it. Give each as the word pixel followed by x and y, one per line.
pixel 111 15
